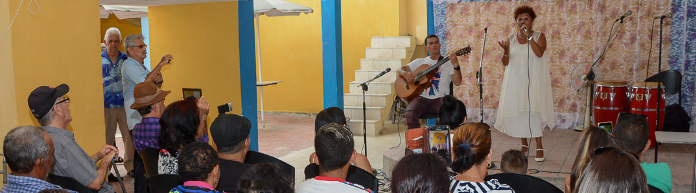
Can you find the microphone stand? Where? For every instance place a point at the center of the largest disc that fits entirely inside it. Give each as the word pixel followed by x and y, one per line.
pixel 659 84
pixel 479 74
pixel 364 89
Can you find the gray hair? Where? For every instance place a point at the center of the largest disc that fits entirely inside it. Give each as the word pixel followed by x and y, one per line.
pixel 47 119
pixel 130 41
pixel 110 31
pixel 23 145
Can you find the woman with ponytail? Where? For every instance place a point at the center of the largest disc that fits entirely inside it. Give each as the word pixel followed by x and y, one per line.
pixel 452 112
pixel 471 154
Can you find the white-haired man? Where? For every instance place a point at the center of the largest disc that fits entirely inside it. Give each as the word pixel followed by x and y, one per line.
pixel 134 72
pixel 114 112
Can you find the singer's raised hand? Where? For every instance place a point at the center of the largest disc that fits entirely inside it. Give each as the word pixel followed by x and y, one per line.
pixel 505 45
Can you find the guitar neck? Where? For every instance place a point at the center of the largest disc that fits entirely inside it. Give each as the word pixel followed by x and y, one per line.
pixel 433 67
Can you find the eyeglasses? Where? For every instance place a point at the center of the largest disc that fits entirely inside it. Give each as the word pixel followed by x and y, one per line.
pixel 67 100
pixel 113 41
pixel 140 46
pixel 609 148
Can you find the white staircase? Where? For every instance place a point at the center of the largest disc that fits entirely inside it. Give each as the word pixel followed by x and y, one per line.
pixel 385 52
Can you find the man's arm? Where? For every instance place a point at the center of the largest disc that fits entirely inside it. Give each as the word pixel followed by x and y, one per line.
pixel 104 150
pixel 457 76
pixel 156 71
pixel 102 171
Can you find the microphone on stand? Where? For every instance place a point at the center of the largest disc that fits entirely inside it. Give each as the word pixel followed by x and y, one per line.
pixel 669 15
pixel 629 12
pixel 376 77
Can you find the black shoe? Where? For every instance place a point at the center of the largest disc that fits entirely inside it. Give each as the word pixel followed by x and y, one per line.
pixel 131 173
pixel 112 178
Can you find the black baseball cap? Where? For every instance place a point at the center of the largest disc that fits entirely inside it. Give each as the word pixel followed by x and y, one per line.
pixel 229 130
pixel 42 98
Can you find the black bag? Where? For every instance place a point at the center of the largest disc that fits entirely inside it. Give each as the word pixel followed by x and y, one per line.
pixel 676 119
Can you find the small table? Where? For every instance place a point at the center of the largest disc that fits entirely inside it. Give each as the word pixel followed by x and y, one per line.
pixel 261 84
pixel 676 138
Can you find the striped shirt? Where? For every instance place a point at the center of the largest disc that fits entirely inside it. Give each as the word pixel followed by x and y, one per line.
pixel 479 187
pixel 21 184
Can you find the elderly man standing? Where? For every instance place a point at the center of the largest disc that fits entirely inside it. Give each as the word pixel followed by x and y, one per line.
pixel 29 153
pixel 114 112
pixel 134 72
pixel 50 108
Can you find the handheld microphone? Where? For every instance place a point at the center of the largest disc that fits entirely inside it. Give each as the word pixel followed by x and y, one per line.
pixel 629 12
pixel 525 28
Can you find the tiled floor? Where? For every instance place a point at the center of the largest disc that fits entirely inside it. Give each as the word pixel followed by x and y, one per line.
pixel 290 138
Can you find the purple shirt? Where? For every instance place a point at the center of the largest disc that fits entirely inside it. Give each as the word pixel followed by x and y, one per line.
pixel 146 132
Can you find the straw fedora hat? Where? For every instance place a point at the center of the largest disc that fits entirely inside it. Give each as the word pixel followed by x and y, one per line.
pixel 147 93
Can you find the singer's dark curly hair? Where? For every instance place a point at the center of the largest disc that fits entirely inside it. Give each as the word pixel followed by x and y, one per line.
pixel 525 9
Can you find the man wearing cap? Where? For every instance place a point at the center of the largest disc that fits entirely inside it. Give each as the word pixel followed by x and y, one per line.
pixel 112 61
pixel 231 139
pixel 50 107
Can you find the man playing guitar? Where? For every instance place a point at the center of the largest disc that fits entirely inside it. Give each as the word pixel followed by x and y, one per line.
pixel 430 100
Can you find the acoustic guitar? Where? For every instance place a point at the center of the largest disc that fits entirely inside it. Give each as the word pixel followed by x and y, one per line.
pixel 407 91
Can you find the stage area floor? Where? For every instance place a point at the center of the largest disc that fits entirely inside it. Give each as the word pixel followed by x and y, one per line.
pixel 290 138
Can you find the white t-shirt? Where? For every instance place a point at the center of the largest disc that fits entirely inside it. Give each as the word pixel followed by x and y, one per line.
pixel 325 184
pixel 441 80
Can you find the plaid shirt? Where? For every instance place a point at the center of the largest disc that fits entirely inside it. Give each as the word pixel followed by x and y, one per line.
pixel 146 132
pixel 27 184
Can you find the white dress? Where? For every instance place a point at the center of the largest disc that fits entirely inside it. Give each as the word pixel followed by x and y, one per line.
pixel 513 110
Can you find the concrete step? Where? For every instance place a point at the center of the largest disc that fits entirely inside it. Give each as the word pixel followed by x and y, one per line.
pixel 364 75
pixel 374 127
pixel 356 113
pixel 371 100
pixel 382 64
pixel 387 53
pixel 373 88
pixel 391 41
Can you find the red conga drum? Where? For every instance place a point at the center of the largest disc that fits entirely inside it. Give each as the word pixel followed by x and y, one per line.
pixel 644 101
pixel 610 99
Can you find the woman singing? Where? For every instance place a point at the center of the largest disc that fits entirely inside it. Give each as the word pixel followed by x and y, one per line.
pixel 526 83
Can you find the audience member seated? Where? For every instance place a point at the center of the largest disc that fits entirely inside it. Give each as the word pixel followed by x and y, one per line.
pixel 335 152
pixel 632 131
pixel 452 112
pixel 472 153
pixel 50 108
pixel 514 161
pixel 266 178
pixel 591 139
pixel 230 135
pixel 420 173
pixel 198 169
pixel 149 102
pixel 612 170
pixel 29 154
pixel 336 115
pixel 182 123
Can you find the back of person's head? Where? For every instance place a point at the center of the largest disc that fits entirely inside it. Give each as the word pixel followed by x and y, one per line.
pixel 591 139
pixel 22 146
pixel 420 173
pixel 196 161
pixel 514 161
pixel 264 178
pixel 452 112
pixel 472 145
pixel 179 124
pixel 612 170
pixel 334 145
pixel 633 132
pixel 329 115
pixel 229 132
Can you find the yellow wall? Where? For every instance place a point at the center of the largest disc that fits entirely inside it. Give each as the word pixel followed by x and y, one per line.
pixel 8 102
pixel 203 38
pixel 122 25
pixel 57 45
pixel 291 50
